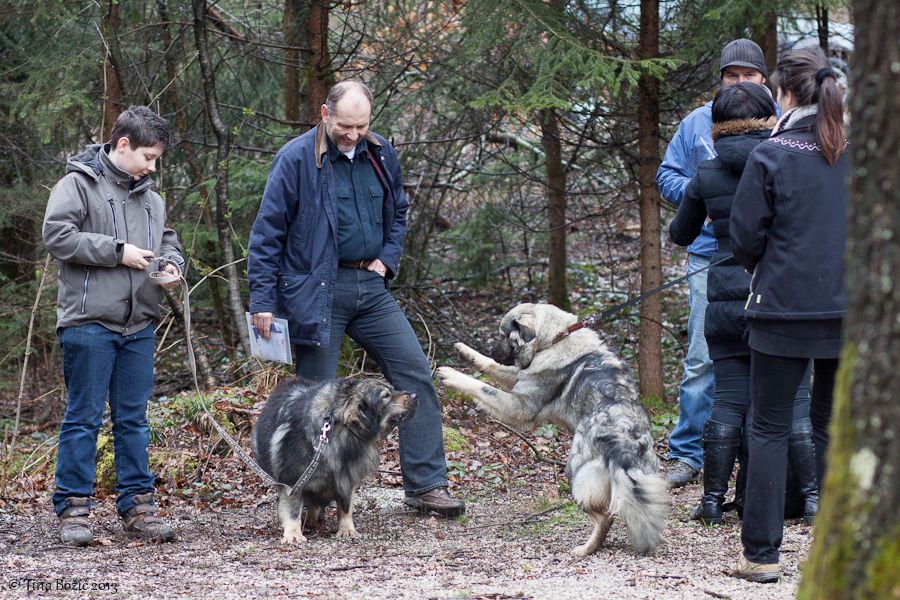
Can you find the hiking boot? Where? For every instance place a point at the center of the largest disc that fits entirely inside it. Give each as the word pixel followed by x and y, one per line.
pixel 756 572
pixel 438 501
pixel 141 520
pixel 680 473
pixel 74 526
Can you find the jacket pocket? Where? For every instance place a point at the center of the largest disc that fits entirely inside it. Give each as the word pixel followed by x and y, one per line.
pixel 376 195
pixel 301 299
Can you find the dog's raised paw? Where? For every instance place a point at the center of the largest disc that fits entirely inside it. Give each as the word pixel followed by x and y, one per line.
pixel 474 357
pixel 453 379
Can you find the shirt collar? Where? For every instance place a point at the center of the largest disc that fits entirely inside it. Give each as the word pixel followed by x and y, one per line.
pixel 334 153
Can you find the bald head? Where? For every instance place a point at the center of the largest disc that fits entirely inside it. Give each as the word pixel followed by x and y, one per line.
pixel 346 113
pixel 350 90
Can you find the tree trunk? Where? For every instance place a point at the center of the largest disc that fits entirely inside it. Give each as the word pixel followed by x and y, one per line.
pixel 293 37
pixel 857 541
pixel 212 252
pixel 112 69
pixel 822 23
pixel 765 33
pixel 223 149
pixel 319 62
pixel 558 294
pixel 650 369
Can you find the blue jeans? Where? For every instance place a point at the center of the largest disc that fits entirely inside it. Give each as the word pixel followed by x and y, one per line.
pixel 695 399
pixel 364 308
pixel 98 362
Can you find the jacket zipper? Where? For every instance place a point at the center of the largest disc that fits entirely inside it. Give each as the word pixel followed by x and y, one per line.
pixel 149 229
pixel 87 276
pixel 112 209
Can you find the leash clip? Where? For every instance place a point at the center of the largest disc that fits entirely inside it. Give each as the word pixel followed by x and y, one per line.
pixel 326 427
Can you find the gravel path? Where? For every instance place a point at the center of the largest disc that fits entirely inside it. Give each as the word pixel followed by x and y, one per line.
pixel 502 549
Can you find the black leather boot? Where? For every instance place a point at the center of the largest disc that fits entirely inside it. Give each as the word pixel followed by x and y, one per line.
pixel 720 446
pixel 802 463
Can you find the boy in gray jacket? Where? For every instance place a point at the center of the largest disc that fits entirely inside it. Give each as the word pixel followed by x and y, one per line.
pixel 106 226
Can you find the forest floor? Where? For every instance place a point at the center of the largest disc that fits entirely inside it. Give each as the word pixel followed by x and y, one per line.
pixel 513 542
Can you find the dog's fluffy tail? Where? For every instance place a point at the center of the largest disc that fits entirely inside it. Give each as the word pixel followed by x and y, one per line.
pixel 640 498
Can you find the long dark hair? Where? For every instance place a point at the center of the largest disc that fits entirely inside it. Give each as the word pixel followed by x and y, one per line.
pixel 808 76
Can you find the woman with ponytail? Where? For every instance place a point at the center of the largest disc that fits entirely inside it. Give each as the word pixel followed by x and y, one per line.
pixel 787 228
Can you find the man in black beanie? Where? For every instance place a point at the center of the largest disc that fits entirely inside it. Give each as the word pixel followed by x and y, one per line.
pixel 741 60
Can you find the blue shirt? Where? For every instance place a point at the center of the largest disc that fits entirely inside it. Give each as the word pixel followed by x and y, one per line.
pixel 360 197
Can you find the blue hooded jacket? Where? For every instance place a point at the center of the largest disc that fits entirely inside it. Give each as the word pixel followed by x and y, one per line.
pixel 691 145
pixel 292 253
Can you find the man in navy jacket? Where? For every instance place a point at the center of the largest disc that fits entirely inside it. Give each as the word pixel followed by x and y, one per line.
pixel 328 236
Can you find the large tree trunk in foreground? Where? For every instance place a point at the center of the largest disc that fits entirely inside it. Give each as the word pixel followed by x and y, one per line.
pixel 650 369
pixel 857 544
pixel 223 149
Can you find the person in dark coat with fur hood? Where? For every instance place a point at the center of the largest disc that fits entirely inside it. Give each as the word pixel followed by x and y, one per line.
pixel 743 116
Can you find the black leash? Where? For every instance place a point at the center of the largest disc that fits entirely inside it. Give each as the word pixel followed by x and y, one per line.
pixel 596 319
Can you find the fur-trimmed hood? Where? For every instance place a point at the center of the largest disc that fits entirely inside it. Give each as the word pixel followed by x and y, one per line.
pixel 740 126
pixel 735 140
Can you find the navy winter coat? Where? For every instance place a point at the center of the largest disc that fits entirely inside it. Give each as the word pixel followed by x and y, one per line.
pixel 788 226
pixel 292 262
pixel 711 193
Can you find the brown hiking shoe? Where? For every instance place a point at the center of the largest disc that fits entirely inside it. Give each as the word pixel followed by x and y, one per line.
pixel 74 526
pixel 142 520
pixel 438 501
pixel 758 572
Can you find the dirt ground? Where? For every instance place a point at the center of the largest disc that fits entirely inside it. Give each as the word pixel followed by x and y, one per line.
pixel 512 543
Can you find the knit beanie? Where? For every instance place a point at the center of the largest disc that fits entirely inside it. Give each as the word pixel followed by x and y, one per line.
pixel 743 53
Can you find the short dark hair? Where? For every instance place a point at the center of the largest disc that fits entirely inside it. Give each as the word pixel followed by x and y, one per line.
pixel 337 92
pixel 745 100
pixel 142 127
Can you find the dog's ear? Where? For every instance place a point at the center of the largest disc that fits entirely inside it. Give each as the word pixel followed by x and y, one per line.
pixel 523 326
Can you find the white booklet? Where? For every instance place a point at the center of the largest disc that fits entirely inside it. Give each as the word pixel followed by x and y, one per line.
pixel 277 347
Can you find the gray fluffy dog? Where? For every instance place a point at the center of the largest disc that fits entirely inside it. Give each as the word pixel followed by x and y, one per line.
pixel 576 382
pixel 361 412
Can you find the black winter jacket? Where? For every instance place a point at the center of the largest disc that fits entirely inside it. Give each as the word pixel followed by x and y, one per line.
pixel 788 226
pixel 710 193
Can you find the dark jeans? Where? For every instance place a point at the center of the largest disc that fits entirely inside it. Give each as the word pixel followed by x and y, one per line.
pixel 365 309
pixel 98 362
pixel 732 401
pixel 773 381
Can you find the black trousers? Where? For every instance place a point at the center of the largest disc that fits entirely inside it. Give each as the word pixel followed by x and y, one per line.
pixel 732 400
pixel 773 383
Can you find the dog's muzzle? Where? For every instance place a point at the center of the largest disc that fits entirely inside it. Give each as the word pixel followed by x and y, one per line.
pixel 503 353
pixel 406 405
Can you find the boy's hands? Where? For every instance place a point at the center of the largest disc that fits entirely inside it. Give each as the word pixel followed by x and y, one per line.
pixel 136 258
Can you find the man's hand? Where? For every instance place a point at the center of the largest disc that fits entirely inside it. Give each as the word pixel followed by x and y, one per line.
pixel 377 266
pixel 261 323
pixel 136 258
pixel 170 268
